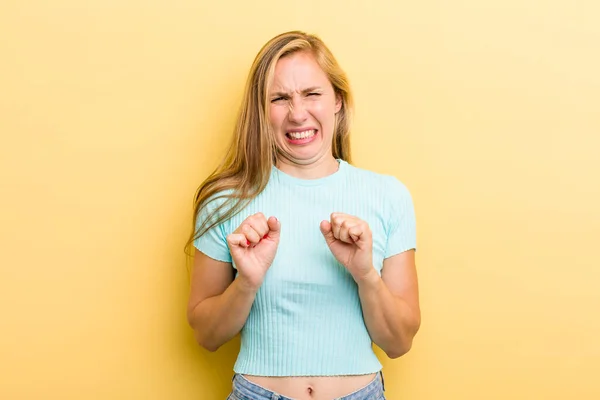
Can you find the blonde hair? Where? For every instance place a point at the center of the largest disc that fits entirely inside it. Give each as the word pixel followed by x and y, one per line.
pixel 245 170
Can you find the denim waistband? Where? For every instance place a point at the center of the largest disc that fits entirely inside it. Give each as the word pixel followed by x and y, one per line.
pixel 243 389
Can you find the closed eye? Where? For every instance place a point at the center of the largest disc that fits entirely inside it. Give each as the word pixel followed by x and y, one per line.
pixel 276 99
pixel 314 94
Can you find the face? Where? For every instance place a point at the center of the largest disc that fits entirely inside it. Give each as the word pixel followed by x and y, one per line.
pixel 303 105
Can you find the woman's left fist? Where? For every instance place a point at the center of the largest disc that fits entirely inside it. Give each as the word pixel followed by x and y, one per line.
pixel 351 242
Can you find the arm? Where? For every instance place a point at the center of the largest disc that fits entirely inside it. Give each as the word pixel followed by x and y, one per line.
pixel 390 304
pixel 218 305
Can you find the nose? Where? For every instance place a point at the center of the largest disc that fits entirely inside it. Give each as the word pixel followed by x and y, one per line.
pixel 297 111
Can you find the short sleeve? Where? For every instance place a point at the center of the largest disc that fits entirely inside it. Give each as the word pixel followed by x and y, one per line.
pixel 402 231
pixel 213 243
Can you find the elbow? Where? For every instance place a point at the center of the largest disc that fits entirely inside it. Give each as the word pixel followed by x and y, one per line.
pixel 204 342
pixel 399 351
pixel 201 335
pixel 403 345
pixel 210 347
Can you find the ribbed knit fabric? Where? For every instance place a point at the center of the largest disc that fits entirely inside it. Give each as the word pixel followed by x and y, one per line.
pixel 306 319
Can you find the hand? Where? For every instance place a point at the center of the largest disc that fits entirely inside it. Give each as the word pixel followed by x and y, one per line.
pixel 253 246
pixel 351 242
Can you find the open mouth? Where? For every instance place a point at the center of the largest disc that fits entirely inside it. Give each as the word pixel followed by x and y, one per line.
pixel 301 136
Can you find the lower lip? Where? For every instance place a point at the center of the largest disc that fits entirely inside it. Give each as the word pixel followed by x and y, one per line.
pixel 301 141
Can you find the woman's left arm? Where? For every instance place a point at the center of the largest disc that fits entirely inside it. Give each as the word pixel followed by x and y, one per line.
pixel 390 303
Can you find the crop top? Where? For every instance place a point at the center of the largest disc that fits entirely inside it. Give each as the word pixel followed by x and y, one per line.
pixel 306 319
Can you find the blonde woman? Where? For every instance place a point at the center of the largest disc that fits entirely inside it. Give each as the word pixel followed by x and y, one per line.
pixel 308 257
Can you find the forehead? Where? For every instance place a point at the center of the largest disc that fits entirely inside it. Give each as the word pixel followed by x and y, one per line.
pixel 298 71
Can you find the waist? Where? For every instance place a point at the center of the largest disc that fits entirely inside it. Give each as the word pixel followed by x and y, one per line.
pixel 314 347
pixel 300 359
pixel 312 387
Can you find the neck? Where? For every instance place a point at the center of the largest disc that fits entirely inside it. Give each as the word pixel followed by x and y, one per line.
pixel 315 170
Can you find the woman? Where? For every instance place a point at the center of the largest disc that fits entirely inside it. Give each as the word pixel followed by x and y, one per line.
pixel 309 257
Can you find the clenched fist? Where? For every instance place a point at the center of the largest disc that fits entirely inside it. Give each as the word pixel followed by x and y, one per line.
pixel 351 242
pixel 253 246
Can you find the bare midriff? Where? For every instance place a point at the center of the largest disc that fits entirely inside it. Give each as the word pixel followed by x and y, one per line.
pixel 313 387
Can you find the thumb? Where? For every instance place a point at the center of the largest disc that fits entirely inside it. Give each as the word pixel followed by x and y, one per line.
pixel 274 228
pixel 327 232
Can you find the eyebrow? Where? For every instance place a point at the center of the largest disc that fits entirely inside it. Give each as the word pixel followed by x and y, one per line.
pixel 304 91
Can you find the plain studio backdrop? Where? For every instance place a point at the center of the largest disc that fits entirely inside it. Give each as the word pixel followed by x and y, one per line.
pixel 112 113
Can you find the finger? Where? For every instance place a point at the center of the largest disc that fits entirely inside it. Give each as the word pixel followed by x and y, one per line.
pixel 251 234
pixel 327 232
pixel 345 231
pixel 237 240
pixel 274 228
pixel 336 224
pixel 355 232
pixel 259 223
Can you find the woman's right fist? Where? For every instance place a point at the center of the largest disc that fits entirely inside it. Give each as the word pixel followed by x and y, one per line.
pixel 253 246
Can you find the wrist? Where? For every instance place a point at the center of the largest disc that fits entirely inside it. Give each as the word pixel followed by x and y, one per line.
pixel 369 279
pixel 246 286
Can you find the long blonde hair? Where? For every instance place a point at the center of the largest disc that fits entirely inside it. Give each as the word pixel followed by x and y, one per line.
pixel 245 170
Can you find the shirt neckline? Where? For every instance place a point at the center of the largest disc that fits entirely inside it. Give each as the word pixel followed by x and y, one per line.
pixel 283 177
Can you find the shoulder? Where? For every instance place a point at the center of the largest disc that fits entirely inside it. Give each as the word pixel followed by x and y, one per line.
pixel 385 184
pixel 217 203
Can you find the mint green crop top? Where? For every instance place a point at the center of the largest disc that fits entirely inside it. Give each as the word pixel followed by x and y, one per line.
pixel 306 319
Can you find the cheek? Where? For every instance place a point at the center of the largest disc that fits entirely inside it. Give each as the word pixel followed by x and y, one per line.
pixel 276 117
pixel 325 113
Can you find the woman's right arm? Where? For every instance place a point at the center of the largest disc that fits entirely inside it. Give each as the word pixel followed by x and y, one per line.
pixel 218 305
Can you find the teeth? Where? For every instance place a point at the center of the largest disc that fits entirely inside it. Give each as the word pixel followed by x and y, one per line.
pixel 302 135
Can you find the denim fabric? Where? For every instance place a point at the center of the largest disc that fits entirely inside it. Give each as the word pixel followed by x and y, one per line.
pixel 243 389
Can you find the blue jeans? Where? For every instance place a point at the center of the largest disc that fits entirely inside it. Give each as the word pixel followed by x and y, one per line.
pixel 243 389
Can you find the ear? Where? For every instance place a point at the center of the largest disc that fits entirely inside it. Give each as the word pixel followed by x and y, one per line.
pixel 338 103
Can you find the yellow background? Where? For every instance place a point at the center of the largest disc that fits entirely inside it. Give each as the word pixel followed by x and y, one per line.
pixel 113 112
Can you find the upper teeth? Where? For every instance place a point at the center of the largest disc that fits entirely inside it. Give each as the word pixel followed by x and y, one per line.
pixel 301 135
